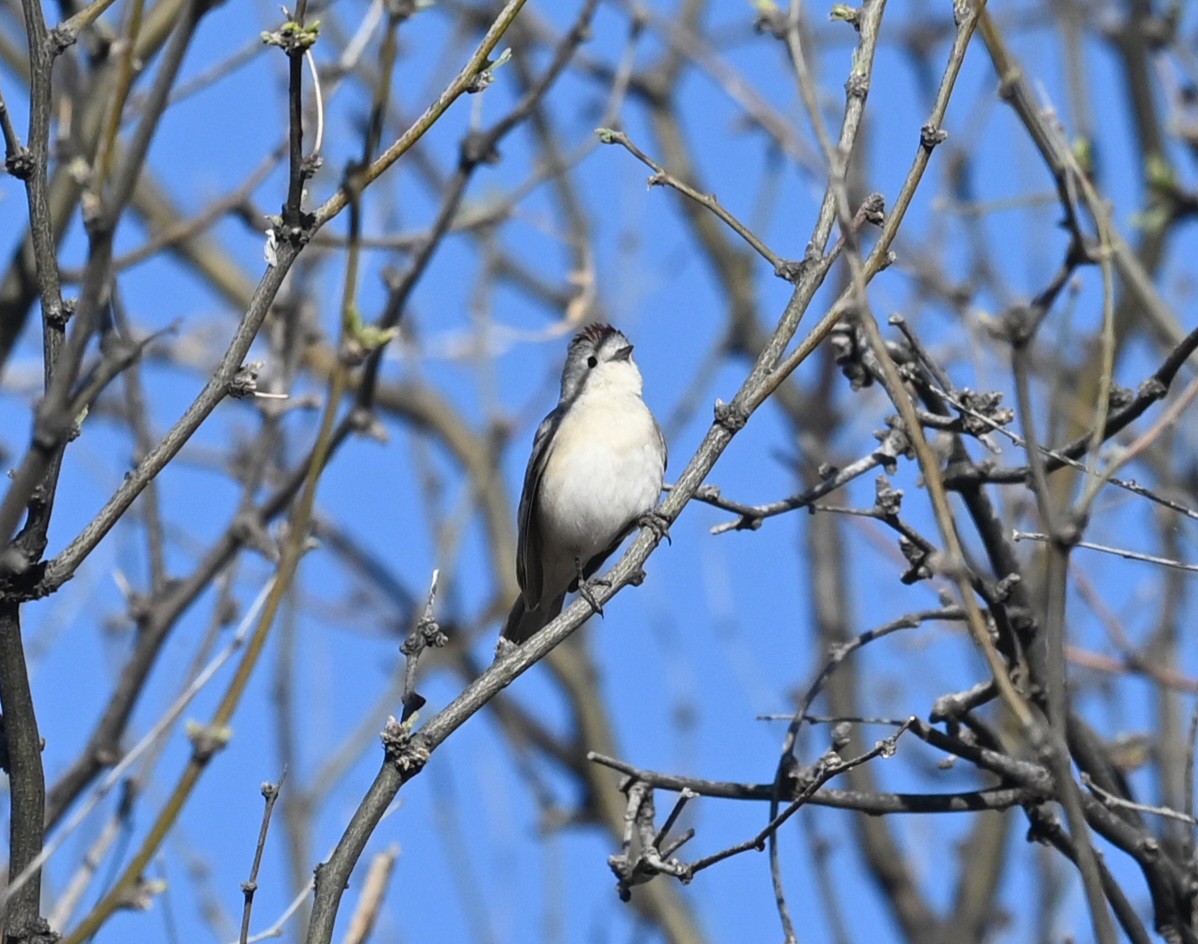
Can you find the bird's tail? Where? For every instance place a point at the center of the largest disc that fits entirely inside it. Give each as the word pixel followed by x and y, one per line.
pixel 523 622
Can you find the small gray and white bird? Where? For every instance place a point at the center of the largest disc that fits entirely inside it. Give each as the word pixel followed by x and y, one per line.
pixel 597 465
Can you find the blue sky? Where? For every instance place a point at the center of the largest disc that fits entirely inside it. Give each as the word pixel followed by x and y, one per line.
pixel 721 630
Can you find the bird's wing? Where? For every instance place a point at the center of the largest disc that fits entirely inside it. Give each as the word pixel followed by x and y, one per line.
pixel 528 558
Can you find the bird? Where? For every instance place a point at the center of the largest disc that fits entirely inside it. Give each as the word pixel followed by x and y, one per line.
pixel 597 467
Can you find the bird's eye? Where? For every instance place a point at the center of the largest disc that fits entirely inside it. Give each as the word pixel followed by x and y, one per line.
pixel 592 361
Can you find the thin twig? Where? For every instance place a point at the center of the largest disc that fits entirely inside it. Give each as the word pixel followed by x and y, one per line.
pixel 270 793
pixel 822 774
pixel 663 178
pixel 1116 801
pixel 1043 538
pixel 426 634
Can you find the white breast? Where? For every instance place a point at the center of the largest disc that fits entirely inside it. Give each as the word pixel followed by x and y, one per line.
pixel 605 470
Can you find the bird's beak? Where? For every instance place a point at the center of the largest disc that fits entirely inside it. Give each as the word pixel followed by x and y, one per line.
pixel 623 354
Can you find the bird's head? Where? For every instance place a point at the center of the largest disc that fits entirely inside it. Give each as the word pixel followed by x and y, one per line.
pixel 600 360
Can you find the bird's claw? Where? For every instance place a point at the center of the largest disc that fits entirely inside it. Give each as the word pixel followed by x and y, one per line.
pixel 503 647
pixel 656 522
pixel 585 591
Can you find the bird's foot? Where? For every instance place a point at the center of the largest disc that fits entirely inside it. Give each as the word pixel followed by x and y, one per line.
pixel 656 522
pixel 504 647
pixel 587 593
